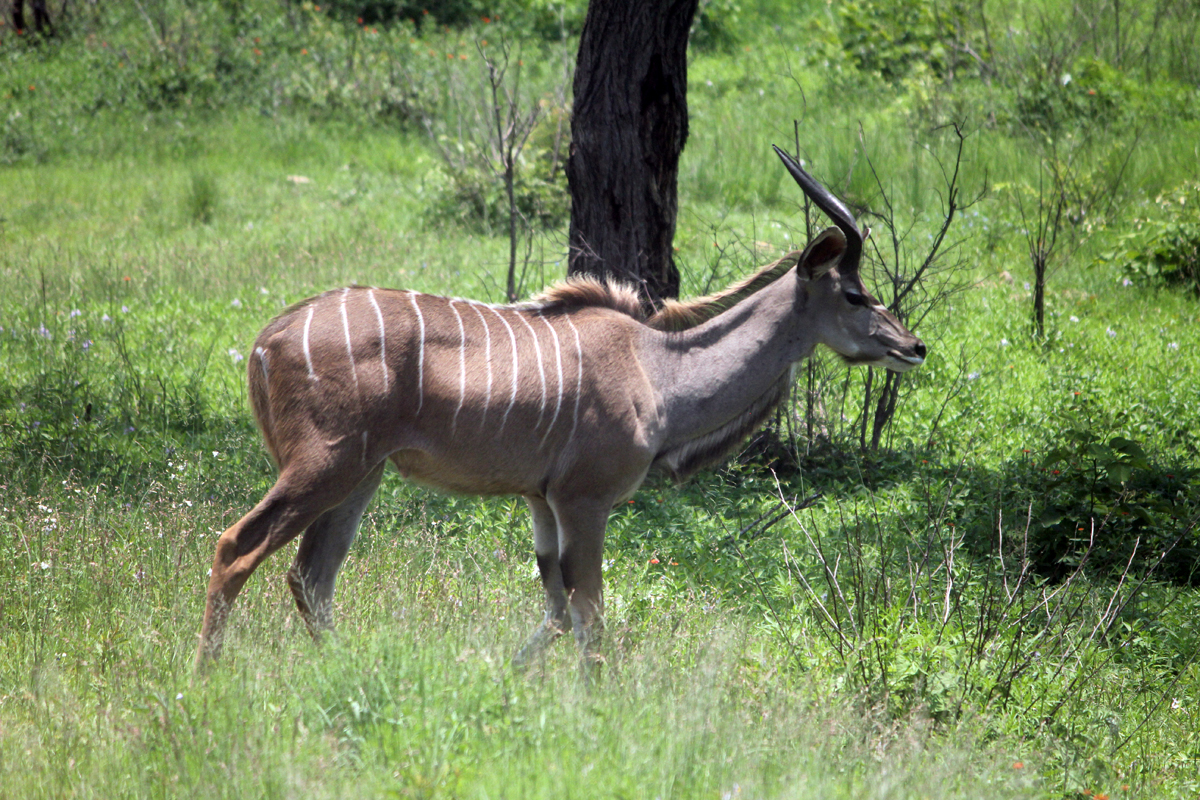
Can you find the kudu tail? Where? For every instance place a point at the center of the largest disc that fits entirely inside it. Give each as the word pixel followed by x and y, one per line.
pixel 258 382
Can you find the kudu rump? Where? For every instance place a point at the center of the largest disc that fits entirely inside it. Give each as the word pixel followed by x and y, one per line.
pixel 568 400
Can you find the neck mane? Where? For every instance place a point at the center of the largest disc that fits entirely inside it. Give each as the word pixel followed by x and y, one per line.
pixel 677 315
pixel 583 291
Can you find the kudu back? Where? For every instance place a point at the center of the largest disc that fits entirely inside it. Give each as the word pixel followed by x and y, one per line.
pixel 568 400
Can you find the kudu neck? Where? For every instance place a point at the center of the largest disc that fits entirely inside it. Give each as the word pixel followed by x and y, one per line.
pixel 710 374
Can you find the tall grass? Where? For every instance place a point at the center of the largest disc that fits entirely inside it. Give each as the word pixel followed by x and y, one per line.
pixel 416 695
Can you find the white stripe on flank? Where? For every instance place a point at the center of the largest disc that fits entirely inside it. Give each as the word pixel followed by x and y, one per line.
pixel 349 344
pixel 578 376
pixel 558 360
pixel 312 376
pixel 487 357
pixel 462 367
pixel 382 338
pixel 421 353
pixel 537 349
pixel 512 338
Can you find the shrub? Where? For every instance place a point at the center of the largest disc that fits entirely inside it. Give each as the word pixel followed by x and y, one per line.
pixel 1164 248
pixel 1090 92
pixel 1096 506
pixel 714 27
pixel 544 18
pixel 889 39
pixel 474 196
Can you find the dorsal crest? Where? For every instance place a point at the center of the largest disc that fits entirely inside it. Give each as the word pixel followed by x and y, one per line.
pixel 584 291
pixel 679 315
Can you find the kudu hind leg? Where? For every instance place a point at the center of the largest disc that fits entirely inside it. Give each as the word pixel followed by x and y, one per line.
pixel 323 550
pixel 297 498
pixel 556 620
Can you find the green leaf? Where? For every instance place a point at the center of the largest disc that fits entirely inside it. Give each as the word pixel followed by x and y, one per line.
pixel 1119 473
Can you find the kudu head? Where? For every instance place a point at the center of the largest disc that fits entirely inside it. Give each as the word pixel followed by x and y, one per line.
pixel 847 318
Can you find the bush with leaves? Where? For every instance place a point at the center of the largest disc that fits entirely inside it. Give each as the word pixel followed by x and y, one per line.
pixel 890 38
pixel 546 19
pixel 1165 247
pixel 1090 92
pixel 1095 505
pixel 715 25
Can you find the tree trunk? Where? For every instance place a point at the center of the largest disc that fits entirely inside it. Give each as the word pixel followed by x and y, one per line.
pixel 41 16
pixel 629 126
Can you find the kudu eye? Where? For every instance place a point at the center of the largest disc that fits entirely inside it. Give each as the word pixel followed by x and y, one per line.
pixel 856 299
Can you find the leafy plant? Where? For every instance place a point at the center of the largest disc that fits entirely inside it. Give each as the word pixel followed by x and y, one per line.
pixel 1108 500
pixel 1164 248
pixel 547 19
pixel 890 38
pixel 1095 505
pixel 1089 92
pixel 715 25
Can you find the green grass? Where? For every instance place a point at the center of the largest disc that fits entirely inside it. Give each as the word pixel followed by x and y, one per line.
pixel 416 696
pixel 142 249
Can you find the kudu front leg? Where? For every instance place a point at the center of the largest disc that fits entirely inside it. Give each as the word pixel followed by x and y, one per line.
pixel 581 527
pixel 556 620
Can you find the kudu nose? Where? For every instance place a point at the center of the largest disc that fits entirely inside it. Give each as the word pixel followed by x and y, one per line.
pixel 919 349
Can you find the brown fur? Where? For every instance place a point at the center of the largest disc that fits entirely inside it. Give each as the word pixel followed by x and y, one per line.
pixel 712 448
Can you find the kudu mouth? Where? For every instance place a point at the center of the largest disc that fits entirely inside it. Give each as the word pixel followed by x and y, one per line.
pixel 909 361
pixel 834 208
pixel 894 361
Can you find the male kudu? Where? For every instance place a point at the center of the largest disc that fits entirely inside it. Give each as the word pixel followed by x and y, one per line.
pixel 568 401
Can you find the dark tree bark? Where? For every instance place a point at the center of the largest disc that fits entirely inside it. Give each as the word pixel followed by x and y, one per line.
pixel 629 126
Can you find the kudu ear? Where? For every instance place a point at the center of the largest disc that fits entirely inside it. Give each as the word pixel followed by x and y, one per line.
pixel 822 254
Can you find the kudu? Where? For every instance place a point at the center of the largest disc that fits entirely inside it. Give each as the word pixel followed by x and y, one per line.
pixel 568 401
